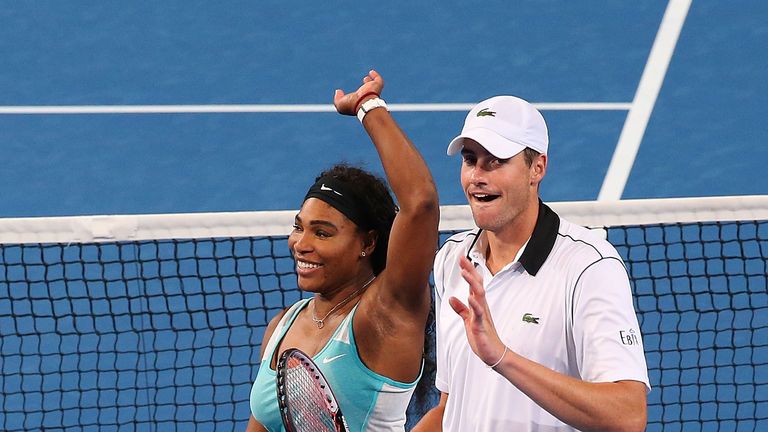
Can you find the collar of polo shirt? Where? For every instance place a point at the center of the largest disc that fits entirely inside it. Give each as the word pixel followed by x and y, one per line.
pixel 537 248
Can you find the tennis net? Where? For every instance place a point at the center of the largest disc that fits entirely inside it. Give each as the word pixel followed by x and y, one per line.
pixel 154 322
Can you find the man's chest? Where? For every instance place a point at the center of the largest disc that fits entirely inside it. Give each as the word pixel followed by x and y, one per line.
pixel 531 315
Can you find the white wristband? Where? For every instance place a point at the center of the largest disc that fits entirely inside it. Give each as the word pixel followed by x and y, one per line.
pixel 369 105
pixel 500 358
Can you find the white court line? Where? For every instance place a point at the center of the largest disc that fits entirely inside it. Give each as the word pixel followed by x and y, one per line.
pixel 278 108
pixel 645 99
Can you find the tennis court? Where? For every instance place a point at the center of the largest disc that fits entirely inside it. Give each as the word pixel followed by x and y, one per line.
pixel 186 107
pixel 703 138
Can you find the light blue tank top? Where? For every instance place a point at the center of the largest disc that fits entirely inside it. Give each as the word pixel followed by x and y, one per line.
pixel 369 401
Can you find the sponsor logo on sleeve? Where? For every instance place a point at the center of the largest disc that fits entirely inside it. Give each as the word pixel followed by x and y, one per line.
pixel 629 337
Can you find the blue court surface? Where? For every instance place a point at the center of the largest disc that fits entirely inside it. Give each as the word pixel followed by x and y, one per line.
pixel 189 106
pixel 697 128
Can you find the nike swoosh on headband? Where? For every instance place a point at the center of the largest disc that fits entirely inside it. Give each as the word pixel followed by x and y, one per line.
pixel 323 187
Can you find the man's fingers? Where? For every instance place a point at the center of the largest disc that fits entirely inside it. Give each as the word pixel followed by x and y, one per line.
pixel 478 308
pixel 459 307
pixel 475 282
pixel 473 279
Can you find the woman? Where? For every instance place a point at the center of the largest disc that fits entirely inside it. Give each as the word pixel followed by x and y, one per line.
pixel 368 266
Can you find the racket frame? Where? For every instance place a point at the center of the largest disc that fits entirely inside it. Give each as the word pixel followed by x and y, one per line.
pixel 331 402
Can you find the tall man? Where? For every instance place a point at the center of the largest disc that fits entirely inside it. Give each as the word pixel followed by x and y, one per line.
pixel 536 330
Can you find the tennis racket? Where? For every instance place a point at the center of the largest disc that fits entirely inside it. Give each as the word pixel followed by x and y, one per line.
pixel 306 401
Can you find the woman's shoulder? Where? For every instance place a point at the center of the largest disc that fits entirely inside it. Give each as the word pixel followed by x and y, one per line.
pixel 280 320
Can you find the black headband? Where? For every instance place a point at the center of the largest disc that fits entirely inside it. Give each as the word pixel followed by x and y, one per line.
pixel 336 194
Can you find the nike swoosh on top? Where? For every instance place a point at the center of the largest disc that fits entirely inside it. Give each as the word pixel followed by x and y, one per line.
pixel 330 359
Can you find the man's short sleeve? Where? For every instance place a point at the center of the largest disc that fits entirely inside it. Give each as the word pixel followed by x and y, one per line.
pixel 609 346
pixel 443 374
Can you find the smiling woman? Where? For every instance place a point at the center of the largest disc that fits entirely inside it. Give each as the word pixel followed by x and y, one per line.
pixel 367 264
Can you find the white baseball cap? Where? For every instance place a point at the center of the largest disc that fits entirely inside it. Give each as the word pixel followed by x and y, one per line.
pixel 504 125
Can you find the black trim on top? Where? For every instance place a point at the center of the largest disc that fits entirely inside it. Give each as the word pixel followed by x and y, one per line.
pixel 541 242
pixel 471 246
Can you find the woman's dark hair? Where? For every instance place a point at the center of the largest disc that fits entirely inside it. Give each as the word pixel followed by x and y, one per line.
pixel 377 201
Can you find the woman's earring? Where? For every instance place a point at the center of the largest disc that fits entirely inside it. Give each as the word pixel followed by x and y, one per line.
pixel 362 253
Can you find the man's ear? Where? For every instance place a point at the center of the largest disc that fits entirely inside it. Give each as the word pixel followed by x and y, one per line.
pixel 538 169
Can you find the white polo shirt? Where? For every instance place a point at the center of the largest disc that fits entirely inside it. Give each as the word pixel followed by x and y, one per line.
pixel 565 303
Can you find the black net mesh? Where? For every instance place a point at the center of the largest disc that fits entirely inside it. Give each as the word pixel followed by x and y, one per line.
pixel 702 300
pixel 152 335
pixel 165 335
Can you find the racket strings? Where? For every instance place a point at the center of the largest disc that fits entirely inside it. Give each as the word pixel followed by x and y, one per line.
pixel 311 408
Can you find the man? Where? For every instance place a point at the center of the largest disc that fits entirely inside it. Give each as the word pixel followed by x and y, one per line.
pixel 536 330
